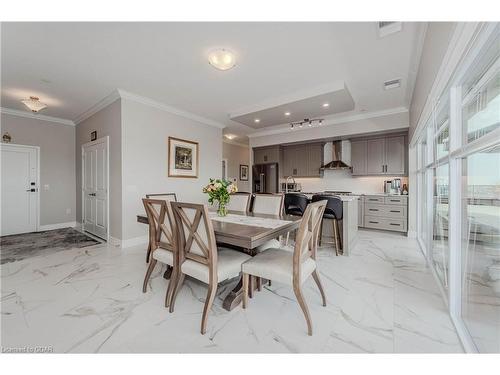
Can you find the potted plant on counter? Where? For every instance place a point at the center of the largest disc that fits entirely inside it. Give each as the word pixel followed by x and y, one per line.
pixel 219 191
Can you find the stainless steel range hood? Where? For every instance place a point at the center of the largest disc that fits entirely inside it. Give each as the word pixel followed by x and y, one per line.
pixel 340 155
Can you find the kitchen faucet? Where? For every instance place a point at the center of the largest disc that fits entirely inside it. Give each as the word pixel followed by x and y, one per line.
pixel 286 183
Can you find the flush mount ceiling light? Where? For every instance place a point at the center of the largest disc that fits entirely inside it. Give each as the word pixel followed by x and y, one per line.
pixel 287 113
pixel 257 120
pixel 230 136
pixel 34 104
pixel 222 59
pixel 326 105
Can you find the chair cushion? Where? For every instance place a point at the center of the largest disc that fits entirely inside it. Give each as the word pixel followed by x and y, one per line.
pixel 164 256
pixel 277 265
pixel 228 265
pixel 274 243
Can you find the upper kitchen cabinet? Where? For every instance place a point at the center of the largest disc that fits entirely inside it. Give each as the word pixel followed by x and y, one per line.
pixel 302 160
pixel 395 155
pixel 266 155
pixel 375 156
pixel 379 156
pixel 358 157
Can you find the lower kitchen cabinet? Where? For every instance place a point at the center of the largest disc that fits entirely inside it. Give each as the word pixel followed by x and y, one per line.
pixel 385 212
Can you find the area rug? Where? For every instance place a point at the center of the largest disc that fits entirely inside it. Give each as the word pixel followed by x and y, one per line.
pixel 21 246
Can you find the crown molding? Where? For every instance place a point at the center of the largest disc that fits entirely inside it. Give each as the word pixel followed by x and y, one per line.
pixel 16 112
pixel 235 143
pixel 98 106
pixel 334 121
pixel 167 108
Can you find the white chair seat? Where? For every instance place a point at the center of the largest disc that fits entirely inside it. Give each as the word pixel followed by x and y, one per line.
pixel 277 265
pixel 164 256
pixel 274 243
pixel 228 266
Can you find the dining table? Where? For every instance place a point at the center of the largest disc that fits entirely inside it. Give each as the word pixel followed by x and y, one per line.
pixel 244 231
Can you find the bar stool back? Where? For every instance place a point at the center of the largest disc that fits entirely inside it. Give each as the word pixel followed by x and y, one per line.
pixel 335 212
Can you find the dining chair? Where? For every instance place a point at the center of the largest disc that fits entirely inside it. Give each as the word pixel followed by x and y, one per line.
pixel 239 202
pixel 163 239
pixel 268 204
pixel 199 256
pixel 292 268
pixel 334 211
pixel 164 196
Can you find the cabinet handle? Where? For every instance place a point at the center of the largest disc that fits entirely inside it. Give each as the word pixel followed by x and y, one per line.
pixel 395 211
pixel 372 209
pixel 373 200
pixel 397 225
pixel 373 222
pixel 395 200
pixel 382 168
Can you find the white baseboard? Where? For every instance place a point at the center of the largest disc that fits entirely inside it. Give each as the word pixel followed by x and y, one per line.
pixel 134 241
pixel 70 224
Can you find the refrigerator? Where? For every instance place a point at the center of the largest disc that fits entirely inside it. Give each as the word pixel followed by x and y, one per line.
pixel 265 178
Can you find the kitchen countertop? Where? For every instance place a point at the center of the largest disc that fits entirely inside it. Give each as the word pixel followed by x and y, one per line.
pixel 347 198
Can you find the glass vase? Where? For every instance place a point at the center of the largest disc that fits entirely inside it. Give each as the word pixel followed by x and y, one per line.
pixel 222 209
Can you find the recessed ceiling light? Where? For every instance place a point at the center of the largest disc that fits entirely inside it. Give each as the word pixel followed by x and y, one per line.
pixel 326 105
pixel 230 136
pixel 287 113
pixel 34 104
pixel 222 59
pixel 257 120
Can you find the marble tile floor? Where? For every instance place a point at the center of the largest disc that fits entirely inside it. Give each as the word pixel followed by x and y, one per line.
pixel 381 299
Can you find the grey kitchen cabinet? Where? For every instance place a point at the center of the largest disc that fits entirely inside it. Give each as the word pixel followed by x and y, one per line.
pixel 361 211
pixel 375 156
pixel 395 150
pixel 302 160
pixel 358 157
pixel 266 155
pixel 379 156
pixel 386 212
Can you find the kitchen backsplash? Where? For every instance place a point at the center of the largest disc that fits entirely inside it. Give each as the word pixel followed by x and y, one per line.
pixel 342 180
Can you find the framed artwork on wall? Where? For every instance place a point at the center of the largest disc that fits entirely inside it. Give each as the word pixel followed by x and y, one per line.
pixel 183 158
pixel 243 172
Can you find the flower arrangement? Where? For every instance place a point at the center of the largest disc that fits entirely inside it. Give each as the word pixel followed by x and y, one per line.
pixel 220 191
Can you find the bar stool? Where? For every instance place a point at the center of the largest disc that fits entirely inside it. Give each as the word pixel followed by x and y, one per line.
pixel 334 211
pixel 295 204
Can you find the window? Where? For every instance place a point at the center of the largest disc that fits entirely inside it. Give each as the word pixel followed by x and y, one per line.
pixel 440 249
pixel 481 248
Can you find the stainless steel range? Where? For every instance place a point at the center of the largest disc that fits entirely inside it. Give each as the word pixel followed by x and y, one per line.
pixel 334 192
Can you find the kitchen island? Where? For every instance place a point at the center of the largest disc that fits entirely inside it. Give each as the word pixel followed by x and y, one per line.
pixel 348 224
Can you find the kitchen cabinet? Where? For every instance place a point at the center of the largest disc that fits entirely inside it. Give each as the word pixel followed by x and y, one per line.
pixel 302 160
pixel 375 151
pixel 379 156
pixel 386 212
pixel 266 155
pixel 358 157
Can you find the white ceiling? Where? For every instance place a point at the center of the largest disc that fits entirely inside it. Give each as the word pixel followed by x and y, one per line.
pixel 72 66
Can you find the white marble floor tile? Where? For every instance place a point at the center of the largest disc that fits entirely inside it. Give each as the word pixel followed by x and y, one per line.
pixel 381 299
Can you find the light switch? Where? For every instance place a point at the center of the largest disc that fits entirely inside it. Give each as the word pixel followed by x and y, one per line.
pixel 46 187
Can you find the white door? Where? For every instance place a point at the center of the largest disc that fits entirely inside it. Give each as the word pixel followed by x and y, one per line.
pixel 19 189
pixel 95 188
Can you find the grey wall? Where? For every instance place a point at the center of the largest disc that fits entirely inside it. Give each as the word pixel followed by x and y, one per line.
pixel 107 122
pixel 437 39
pixel 236 155
pixel 145 132
pixel 57 163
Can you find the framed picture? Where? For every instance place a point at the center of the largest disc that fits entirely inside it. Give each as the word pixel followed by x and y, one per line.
pixel 243 172
pixel 183 158
pixel 93 135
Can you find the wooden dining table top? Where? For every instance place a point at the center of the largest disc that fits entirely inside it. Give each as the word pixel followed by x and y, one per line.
pixel 244 235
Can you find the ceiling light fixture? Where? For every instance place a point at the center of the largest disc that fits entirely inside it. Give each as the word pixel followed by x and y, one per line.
pixel 230 136
pixel 287 113
pixel 257 120
pixel 309 122
pixel 34 104
pixel 326 105
pixel 222 59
